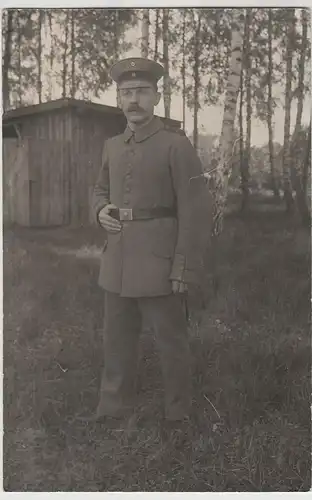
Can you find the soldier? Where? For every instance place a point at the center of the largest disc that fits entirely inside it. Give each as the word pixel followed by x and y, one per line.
pixel 151 199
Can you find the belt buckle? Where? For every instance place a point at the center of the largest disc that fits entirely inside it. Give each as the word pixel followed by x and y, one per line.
pixel 125 214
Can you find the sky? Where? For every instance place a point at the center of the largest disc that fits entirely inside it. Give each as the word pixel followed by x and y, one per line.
pixel 210 118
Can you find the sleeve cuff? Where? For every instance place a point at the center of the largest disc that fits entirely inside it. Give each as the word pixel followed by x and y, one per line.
pixel 178 268
pixel 179 271
pixel 97 211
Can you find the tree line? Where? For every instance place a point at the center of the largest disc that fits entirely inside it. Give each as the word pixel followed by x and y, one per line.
pixel 69 48
pixel 51 53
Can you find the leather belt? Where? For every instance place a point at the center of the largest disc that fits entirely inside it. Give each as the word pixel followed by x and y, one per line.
pixel 142 213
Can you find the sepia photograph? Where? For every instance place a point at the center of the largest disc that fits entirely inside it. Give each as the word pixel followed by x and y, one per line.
pixel 156 203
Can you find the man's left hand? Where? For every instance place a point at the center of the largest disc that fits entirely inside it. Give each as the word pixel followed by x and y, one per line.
pixel 179 287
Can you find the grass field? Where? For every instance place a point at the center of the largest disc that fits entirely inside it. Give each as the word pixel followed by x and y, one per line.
pixel 251 357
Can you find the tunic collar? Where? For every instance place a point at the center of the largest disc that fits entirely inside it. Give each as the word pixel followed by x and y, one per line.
pixel 145 132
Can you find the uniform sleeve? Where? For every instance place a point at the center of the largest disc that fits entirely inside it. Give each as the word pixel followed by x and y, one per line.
pixel 101 193
pixel 194 212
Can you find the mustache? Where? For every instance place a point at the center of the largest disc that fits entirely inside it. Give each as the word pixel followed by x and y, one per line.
pixel 135 108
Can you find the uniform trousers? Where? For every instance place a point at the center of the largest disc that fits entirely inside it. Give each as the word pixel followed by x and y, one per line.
pixel 122 327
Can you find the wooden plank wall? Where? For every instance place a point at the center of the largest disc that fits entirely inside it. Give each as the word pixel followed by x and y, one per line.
pixel 15 182
pixel 49 136
pixel 49 195
pixel 55 125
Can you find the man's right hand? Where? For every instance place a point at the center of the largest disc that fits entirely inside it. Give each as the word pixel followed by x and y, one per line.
pixel 109 223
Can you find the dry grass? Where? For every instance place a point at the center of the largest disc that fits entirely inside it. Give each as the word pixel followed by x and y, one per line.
pixel 251 348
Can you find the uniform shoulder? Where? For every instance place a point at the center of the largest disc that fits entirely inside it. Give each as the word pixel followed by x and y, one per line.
pixel 115 138
pixel 174 130
pixel 178 138
pixel 113 141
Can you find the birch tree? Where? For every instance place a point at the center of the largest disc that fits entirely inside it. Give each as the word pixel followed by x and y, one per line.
pixel 296 153
pixel 306 167
pixel 183 70
pixel 39 54
pixel 7 60
pixel 241 122
pixel 73 53
pixel 51 57
pixel 221 175
pixel 290 34
pixel 116 34
pixel 270 105
pixel 157 35
pixel 196 76
pixel 166 79
pixel 65 52
pixel 145 33
pixel 19 61
pixel 246 161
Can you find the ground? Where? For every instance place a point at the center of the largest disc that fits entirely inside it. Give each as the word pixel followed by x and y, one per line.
pixel 251 368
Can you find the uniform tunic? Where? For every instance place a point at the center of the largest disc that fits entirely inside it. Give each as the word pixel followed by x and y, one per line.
pixel 153 167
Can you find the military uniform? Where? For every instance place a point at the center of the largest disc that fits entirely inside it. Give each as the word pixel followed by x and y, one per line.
pixel 154 177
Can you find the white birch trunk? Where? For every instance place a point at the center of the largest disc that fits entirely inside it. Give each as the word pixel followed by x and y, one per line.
pixel 246 162
pixel 39 81
pixel 222 173
pixel 156 35
pixel 290 33
pixel 270 107
pixel 7 61
pixel 167 90
pixel 73 55
pixel 145 33
pixel 183 71
pixel 296 156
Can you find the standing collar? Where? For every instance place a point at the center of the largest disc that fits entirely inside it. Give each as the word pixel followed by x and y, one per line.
pixel 145 132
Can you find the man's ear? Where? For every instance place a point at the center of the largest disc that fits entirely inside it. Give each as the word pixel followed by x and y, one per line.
pixel 158 96
pixel 118 99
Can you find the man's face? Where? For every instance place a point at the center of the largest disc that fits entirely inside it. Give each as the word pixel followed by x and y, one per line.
pixel 137 99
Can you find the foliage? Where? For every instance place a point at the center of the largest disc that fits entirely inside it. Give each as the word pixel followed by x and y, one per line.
pixel 95 45
pixel 94 49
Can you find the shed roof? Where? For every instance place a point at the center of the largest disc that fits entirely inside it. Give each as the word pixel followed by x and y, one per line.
pixel 48 106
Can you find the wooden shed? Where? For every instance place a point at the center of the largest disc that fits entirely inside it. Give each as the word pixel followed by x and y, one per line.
pixel 51 158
